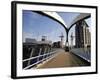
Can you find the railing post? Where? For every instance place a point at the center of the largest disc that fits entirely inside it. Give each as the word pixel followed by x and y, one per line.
pixel 47 53
pixel 44 53
pixel 39 54
pixel 30 56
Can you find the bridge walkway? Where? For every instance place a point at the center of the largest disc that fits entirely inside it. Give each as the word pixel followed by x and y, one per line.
pixel 64 59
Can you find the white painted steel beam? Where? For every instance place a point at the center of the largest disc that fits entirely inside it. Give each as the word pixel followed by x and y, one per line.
pixel 55 16
pixel 80 17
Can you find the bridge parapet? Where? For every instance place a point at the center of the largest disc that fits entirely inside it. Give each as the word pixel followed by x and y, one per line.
pixel 83 53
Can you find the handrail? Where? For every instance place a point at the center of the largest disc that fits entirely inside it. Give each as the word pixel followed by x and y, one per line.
pixel 35 57
pixel 49 53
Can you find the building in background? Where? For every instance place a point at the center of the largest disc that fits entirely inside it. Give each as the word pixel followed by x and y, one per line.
pixel 62 40
pixel 72 39
pixel 34 41
pixel 30 40
pixel 82 34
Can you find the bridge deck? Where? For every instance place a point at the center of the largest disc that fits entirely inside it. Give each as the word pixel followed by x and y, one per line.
pixel 63 59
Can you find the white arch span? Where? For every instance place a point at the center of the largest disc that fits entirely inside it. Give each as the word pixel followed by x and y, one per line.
pixel 56 16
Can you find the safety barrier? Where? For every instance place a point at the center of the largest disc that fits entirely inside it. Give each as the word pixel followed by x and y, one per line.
pixel 40 58
pixel 83 53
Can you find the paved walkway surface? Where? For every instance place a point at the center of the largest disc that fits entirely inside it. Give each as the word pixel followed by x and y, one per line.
pixel 63 59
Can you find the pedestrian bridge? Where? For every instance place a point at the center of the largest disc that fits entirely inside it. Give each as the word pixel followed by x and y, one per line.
pixel 58 57
pixel 55 59
pixel 64 59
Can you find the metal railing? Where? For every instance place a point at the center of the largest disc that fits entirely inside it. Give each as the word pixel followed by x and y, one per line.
pixel 83 53
pixel 40 58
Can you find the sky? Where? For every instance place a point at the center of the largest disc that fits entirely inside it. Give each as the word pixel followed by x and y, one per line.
pixel 36 25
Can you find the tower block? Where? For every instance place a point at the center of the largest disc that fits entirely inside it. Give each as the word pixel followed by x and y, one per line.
pixel 61 42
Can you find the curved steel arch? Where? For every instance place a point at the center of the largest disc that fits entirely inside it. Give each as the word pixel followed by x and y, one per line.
pixel 80 17
pixel 56 17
